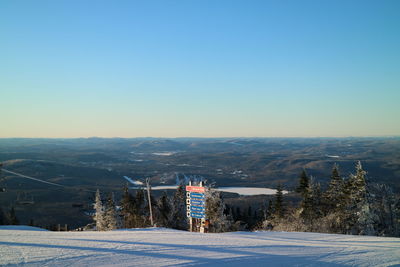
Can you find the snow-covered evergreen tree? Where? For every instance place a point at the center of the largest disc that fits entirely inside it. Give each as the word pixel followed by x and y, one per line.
pixel 383 206
pixel 311 205
pixel 357 184
pixel 178 218
pixel 99 213
pixel 333 198
pixel 359 216
pixel 215 212
pixel 110 214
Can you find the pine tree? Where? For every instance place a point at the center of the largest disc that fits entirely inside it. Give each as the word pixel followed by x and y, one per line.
pixel 238 214
pixel 215 208
pixel 334 197
pixel 396 216
pixel 279 209
pixel 3 219
pixel 139 209
pixel 178 209
pixel 164 208
pixel 307 207
pixel 249 218
pixel 384 207
pixel 110 214
pixel 12 218
pixel 357 184
pixel 128 209
pixel 303 183
pixel 311 206
pixel 99 215
pixel 359 217
pixel 269 211
pixel 318 200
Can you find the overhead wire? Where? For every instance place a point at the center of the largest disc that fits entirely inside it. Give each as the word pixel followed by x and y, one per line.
pixel 42 181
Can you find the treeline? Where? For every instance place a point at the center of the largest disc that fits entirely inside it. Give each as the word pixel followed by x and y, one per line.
pixel 169 212
pixel 348 205
pixel 134 211
pixel 8 217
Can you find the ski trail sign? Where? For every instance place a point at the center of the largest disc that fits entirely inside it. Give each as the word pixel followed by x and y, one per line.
pixel 195 200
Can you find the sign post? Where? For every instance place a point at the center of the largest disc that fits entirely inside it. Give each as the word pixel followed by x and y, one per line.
pixel 195 207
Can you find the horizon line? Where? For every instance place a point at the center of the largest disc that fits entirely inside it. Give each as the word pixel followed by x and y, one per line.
pixel 210 137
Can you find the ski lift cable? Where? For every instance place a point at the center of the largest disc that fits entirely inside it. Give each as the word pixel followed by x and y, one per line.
pixel 39 180
pixel 32 178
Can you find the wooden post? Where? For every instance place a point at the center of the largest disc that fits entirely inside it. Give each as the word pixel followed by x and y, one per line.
pixel 202 223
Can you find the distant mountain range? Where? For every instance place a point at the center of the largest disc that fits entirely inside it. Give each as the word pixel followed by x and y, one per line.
pixel 85 164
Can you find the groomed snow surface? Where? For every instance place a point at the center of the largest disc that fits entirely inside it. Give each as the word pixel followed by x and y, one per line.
pixel 22 245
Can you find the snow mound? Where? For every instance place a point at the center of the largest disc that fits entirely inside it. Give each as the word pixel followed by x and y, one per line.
pixel 165 247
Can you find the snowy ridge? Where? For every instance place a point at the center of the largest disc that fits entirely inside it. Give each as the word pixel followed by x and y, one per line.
pixel 165 247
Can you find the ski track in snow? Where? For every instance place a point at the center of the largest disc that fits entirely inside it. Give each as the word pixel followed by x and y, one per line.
pixel 166 247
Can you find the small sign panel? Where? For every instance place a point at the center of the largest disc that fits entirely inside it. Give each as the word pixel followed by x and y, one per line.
pixel 196 195
pixel 198 189
pixel 197 209
pixel 197 215
pixel 195 202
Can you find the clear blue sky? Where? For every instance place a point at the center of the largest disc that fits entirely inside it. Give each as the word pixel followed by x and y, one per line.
pixel 199 68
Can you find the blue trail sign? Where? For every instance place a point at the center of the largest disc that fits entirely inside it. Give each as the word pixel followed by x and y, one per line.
pixel 196 202
pixel 197 215
pixel 196 195
pixel 197 209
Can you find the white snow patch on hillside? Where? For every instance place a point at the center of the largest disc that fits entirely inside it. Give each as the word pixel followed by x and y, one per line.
pixel 250 191
pixel 333 156
pixel 165 247
pixel 244 191
pixel 163 153
pixel 159 187
pixel 164 187
pixel 135 182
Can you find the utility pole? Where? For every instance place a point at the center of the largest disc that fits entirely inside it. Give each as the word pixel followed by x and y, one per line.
pixel 2 189
pixel 149 198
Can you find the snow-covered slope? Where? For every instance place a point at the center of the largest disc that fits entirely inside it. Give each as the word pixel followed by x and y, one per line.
pixel 165 247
